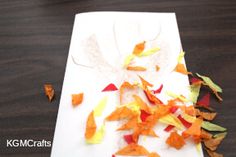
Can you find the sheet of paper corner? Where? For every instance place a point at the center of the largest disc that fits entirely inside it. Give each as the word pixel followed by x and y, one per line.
pixel 69 132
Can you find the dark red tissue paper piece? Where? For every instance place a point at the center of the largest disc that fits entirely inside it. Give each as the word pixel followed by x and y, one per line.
pixel 169 128
pixel 144 115
pixel 205 101
pixel 184 122
pixel 129 138
pixel 110 87
pixel 173 109
pixel 194 80
pixel 158 90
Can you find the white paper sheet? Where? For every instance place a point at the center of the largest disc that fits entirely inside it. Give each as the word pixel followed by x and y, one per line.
pixel 100 42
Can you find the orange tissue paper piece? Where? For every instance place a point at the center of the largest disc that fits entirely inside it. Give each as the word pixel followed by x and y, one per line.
pixel 206 115
pixel 132 122
pixel 153 154
pixel 213 143
pixel 143 129
pixel 90 126
pixel 152 98
pixel 194 130
pixel 175 140
pixel 120 113
pixel 162 110
pixel 142 104
pixel 125 85
pixel 151 121
pixel 49 91
pixel 145 83
pixel 181 69
pixel 133 150
pixel 190 110
pixel 138 49
pixel 77 99
pixel 148 132
pixel 205 135
pixel 157 68
pixel 136 68
pixel 213 154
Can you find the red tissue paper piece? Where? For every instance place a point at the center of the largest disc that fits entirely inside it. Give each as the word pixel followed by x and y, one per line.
pixel 169 128
pixel 158 90
pixel 129 138
pixel 205 101
pixel 144 115
pixel 173 109
pixel 184 122
pixel 195 80
pixel 110 87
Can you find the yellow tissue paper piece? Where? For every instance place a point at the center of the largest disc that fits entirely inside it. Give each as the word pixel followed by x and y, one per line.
pixel 132 106
pixel 173 95
pixel 210 83
pixel 128 59
pixel 188 118
pixel 212 127
pixel 220 135
pixel 100 107
pixel 98 136
pixel 194 92
pixel 149 52
pixel 199 148
pixel 170 119
pixel 181 56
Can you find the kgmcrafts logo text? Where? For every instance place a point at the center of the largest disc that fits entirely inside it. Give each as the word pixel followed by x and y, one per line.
pixel 28 143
